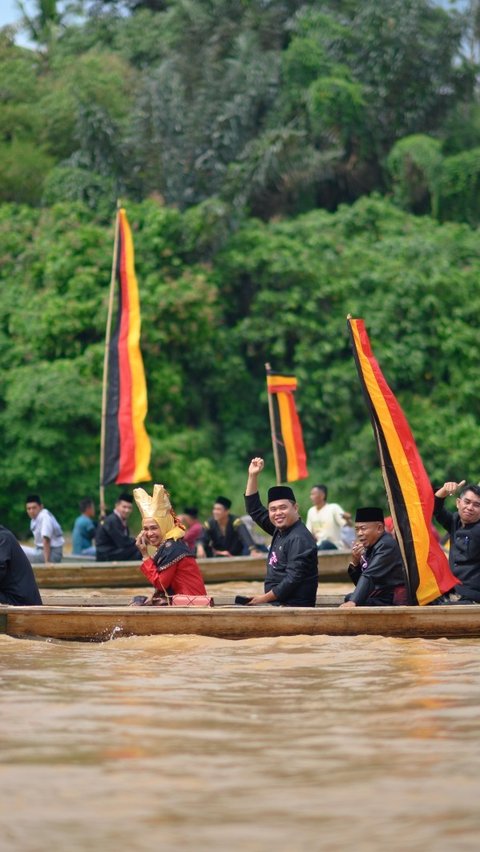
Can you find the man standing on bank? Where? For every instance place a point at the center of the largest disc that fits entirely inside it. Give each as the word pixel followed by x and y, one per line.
pixel 292 568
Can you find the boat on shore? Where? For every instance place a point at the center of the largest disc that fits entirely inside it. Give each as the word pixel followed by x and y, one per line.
pixel 332 567
pixel 102 623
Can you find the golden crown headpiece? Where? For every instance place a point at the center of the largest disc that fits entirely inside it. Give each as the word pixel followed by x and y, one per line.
pixel 159 508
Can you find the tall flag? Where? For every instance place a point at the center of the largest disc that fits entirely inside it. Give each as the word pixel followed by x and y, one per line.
pixel 409 491
pixel 288 449
pixel 125 444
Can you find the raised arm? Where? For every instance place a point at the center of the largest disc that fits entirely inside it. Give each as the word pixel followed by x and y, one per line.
pixel 253 503
pixel 254 469
pixel 449 488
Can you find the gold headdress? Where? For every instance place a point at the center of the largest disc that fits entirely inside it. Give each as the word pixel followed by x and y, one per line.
pixel 159 508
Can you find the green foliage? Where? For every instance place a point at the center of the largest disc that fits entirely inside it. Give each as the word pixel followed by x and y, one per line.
pixel 214 310
pixel 458 194
pixel 23 170
pixel 415 164
pixel 273 107
pixel 236 116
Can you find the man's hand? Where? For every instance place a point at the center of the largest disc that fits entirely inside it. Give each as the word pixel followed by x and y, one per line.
pixel 347 605
pixel 449 488
pixel 200 554
pixel 357 550
pixel 268 597
pixel 254 552
pixel 256 466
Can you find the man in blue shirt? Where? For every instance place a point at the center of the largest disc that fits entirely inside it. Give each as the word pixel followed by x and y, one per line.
pixel 84 530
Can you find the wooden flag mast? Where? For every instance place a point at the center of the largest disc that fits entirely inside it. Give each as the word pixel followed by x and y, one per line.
pixel 103 426
pixel 272 430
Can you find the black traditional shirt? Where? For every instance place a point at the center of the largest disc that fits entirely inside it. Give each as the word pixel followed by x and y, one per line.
pixel 464 554
pixel 292 562
pixel 235 538
pixel 380 572
pixel 114 542
pixel 17 580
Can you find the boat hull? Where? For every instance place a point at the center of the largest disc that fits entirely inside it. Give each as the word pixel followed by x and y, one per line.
pixel 332 567
pixel 97 624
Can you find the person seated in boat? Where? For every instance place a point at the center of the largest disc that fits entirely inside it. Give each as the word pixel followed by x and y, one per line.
pixel 292 565
pixel 113 540
pixel 377 567
pixel 172 568
pixel 18 586
pixel 326 521
pixel 47 533
pixel 194 528
pixel 463 527
pixel 224 534
pixel 84 529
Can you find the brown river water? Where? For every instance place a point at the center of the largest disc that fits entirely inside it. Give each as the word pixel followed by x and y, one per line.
pixel 192 743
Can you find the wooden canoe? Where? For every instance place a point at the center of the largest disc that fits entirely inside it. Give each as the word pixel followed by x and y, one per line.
pixel 98 624
pixel 332 567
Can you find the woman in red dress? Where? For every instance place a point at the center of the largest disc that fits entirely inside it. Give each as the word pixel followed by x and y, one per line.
pixel 172 569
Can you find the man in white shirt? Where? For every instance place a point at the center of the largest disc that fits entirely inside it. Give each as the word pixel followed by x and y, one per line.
pixel 326 520
pixel 47 533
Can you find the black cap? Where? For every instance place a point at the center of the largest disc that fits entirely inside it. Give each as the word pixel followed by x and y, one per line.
pixel 280 492
pixel 224 501
pixel 369 513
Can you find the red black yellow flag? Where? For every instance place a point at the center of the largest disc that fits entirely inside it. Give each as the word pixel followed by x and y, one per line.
pixel 126 455
pixel 409 491
pixel 288 449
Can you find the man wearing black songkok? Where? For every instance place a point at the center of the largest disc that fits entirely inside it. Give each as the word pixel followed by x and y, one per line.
pixel 292 567
pixel 224 534
pixel 377 566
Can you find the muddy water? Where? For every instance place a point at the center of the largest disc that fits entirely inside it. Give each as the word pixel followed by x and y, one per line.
pixel 193 743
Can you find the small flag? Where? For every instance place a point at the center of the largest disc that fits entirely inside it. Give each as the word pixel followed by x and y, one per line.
pixel 409 491
pixel 127 445
pixel 287 438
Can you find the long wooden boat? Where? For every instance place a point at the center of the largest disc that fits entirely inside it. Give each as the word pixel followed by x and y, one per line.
pixel 101 623
pixel 332 566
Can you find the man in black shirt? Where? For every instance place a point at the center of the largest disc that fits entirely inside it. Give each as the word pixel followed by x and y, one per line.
pixel 463 527
pixel 292 567
pixel 113 539
pixel 377 566
pixel 224 534
pixel 17 580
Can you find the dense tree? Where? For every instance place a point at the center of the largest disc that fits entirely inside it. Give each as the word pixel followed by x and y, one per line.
pixel 214 309
pixel 275 107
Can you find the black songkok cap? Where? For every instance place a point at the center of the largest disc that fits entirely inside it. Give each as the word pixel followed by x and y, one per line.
pixel 224 501
pixel 369 513
pixel 125 497
pixel 280 492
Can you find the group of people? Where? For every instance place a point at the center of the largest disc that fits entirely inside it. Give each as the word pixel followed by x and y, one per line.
pixel 168 559
pixel 223 534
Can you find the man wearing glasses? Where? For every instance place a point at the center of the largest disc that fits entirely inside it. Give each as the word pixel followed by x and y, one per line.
pixel 463 527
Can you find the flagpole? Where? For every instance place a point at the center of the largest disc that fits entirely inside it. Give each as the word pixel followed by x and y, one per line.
pixel 391 503
pixel 272 430
pixel 108 331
